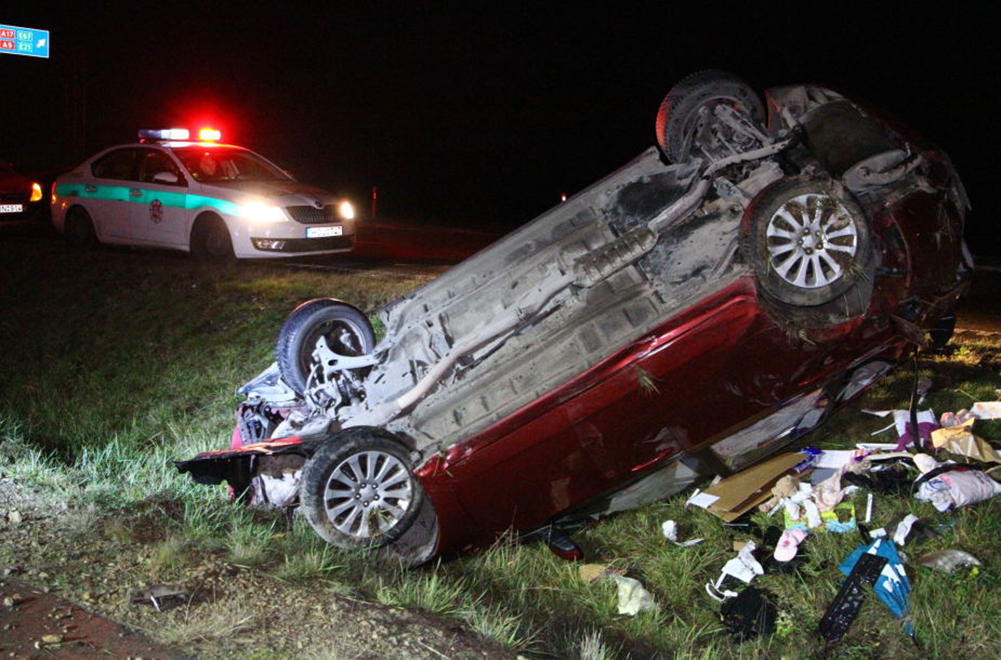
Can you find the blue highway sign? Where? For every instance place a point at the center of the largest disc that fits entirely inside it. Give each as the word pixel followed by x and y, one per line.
pixel 24 41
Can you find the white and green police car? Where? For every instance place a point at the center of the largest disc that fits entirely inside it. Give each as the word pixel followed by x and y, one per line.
pixel 214 200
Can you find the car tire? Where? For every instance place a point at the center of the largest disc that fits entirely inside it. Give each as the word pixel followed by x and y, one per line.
pixel 681 117
pixel 346 329
pixel 210 240
pixel 358 490
pixel 79 230
pixel 807 240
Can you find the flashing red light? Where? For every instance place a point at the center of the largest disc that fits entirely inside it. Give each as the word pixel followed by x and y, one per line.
pixel 209 134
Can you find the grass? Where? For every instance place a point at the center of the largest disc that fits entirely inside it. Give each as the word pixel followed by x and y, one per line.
pixel 114 364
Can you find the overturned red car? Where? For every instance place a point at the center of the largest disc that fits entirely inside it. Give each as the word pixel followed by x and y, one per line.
pixel 688 315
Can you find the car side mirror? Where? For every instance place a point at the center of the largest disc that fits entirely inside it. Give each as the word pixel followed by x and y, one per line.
pixel 165 177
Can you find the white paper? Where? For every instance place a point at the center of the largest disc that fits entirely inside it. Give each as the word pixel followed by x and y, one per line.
pixel 987 409
pixel 670 529
pixel 877 446
pixel 901 418
pixel 836 458
pixel 701 500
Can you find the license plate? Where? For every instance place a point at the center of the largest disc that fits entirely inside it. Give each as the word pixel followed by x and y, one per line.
pixel 18 208
pixel 323 232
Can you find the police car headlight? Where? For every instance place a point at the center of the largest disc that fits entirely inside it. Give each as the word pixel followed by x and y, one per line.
pixel 260 212
pixel 346 210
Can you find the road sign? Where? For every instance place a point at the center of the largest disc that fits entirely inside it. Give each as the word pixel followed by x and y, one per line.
pixel 24 41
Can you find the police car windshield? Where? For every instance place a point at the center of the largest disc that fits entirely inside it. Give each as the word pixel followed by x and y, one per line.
pixel 223 164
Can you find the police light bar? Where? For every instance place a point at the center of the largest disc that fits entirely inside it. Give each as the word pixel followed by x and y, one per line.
pixel 209 135
pixel 164 134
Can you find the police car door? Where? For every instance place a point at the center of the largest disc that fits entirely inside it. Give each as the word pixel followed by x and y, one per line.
pixel 106 195
pixel 158 200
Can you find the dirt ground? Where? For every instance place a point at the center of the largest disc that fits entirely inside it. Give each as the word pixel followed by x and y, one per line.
pixel 69 588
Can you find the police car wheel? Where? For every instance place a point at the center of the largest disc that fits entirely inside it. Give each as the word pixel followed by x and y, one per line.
pixel 210 240
pixel 79 231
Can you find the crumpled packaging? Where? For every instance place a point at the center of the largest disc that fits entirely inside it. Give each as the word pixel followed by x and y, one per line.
pixel 956 489
pixel 961 440
pixel 633 598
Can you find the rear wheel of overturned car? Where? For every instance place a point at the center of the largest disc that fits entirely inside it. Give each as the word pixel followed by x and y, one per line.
pixel 807 240
pixel 358 490
pixel 79 230
pixel 695 119
pixel 345 329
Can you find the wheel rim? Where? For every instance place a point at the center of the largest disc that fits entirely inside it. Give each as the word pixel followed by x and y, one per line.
pixel 368 494
pixel 342 337
pixel 812 239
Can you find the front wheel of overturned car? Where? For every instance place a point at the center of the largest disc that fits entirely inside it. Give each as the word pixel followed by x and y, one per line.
pixel 710 113
pixel 345 329
pixel 807 240
pixel 358 490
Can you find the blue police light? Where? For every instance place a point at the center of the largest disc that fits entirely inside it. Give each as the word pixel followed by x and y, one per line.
pixel 164 134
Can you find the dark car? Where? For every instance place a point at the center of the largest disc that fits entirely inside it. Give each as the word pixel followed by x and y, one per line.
pixel 21 197
pixel 690 314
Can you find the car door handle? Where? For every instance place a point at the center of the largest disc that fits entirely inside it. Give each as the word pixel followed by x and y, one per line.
pixel 90 188
pixel 135 192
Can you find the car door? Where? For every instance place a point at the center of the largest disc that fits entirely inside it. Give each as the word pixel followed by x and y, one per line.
pixel 158 204
pixel 106 195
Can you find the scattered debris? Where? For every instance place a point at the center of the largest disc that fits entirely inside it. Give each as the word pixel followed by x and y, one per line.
pixel 960 418
pixel 162 596
pixel 840 520
pixel 591 573
pixel 785 549
pixel 846 605
pixel 670 529
pixel 744 567
pixel 892 585
pixel 960 439
pixel 947 561
pixel 902 423
pixel 741 492
pixel 987 410
pixel 633 598
pixel 904 529
pixel 950 485
pixel 796 499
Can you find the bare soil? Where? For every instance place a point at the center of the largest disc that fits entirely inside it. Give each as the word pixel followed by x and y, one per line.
pixel 72 584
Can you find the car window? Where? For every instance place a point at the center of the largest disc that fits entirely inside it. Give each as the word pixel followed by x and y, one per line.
pixel 152 162
pixel 119 164
pixel 221 165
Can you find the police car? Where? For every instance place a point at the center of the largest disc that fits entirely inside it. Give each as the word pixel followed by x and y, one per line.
pixel 214 200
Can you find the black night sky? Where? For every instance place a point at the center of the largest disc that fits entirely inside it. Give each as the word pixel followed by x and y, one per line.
pixel 473 113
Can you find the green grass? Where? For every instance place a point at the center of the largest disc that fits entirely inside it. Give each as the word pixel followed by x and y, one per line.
pixel 116 363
